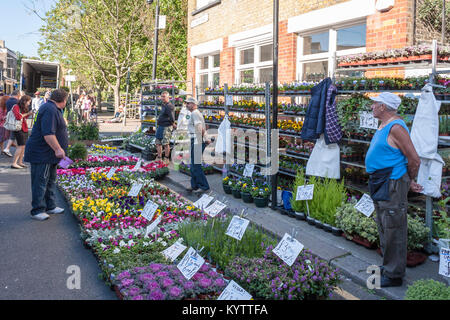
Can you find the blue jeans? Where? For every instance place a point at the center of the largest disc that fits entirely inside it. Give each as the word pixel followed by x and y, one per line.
pixel 198 178
pixel 43 187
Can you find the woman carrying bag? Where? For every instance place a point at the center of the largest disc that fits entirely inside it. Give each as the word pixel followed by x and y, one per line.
pixel 21 113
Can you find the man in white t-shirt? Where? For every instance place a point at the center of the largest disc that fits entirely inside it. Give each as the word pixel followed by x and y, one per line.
pixel 197 134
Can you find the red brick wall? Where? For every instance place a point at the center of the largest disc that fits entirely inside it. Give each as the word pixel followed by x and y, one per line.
pixel 287 53
pixel 227 67
pixel 190 72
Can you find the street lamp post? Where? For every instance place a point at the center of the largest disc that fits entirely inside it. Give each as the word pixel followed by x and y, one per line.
pixel 155 44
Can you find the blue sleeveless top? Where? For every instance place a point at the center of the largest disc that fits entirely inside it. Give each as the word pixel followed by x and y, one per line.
pixel 381 155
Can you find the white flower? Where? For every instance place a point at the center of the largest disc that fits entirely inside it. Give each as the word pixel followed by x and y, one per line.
pixel 102 245
pixel 122 243
pixel 130 243
pixel 164 243
pixel 145 244
pixel 116 250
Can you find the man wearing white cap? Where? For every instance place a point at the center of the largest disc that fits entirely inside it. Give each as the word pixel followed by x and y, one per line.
pixel 392 163
pixel 197 133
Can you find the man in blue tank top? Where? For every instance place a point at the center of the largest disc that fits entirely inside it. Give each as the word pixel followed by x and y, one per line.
pixel 392 163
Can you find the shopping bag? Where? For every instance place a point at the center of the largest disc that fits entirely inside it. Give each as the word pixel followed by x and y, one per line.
pixel 324 160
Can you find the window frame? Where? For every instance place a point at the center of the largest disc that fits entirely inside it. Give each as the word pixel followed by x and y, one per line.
pixel 210 71
pixel 332 48
pixel 256 65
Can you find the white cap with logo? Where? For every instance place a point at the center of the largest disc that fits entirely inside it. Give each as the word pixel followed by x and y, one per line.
pixel 389 99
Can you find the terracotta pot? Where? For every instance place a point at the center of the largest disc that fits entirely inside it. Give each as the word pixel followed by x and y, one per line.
pixel 425 57
pixel 360 240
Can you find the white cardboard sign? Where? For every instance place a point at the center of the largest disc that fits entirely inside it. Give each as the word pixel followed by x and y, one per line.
pixel 138 165
pixel 234 292
pixel 444 262
pixel 174 251
pixel 229 100
pixel 248 171
pixel 203 201
pixel 154 224
pixel 237 227
pixel 365 205
pixel 367 120
pixel 305 192
pixel 111 172
pixel 288 249
pixel 214 209
pixel 135 189
pixel 149 210
pixel 190 263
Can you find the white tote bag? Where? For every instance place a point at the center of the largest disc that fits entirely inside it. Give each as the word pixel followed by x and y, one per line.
pixel 430 176
pixel 324 160
pixel 11 123
pixel 223 143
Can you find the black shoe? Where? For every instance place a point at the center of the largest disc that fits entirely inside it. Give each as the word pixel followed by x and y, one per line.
pixel 190 189
pixel 204 190
pixel 390 282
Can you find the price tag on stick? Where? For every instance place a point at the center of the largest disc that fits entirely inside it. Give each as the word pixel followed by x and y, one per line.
pixel 135 189
pixel 288 249
pixel 203 201
pixel 153 226
pixel 248 170
pixel 365 205
pixel 305 192
pixel 237 227
pixel 174 251
pixel 111 172
pixel 149 210
pixel 214 209
pixel 367 120
pixel 444 262
pixel 234 292
pixel 138 165
pixel 190 263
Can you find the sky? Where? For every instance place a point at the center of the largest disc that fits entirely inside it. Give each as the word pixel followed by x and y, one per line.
pixel 19 27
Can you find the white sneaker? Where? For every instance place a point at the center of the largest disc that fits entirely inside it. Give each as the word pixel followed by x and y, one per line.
pixel 57 210
pixel 41 216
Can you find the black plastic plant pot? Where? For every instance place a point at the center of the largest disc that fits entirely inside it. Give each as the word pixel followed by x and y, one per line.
pixel 236 193
pixel 227 189
pixel 310 220
pixel 336 231
pixel 327 227
pixel 291 213
pixel 300 215
pixel 246 197
pixel 261 202
pixel 318 224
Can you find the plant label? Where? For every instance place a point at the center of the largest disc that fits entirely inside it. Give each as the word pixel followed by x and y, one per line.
pixel 153 226
pixel 444 262
pixel 135 189
pixel 248 170
pixel 149 210
pixel 111 172
pixel 305 192
pixel 137 166
pixel 229 100
pixel 214 209
pixel 190 263
pixel 365 205
pixel 237 227
pixel 367 120
pixel 288 249
pixel 234 292
pixel 174 251
pixel 65 162
pixel 203 201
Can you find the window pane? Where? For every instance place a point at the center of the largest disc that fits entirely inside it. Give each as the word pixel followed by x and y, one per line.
pixel 247 56
pixel 204 63
pixel 315 71
pixel 265 75
pixel 247 76
pixel 216 59
pixel 203 81
pixel 202 3
pixel 316 43
pixel 216 79
pixel 266 53
pixel 352 37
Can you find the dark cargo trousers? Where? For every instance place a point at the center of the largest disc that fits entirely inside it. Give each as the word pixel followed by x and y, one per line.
pixel 392 225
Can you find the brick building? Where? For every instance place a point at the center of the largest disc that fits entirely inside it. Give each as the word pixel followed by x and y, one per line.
pixel 230 41
pixel 8 67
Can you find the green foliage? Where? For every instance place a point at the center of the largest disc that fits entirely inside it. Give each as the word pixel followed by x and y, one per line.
pixel 84 131
pixel 427 290
pixel 417 233
pixel 443 222
pixel 221 248
pixel 298 206
pixel 78 151
pixel 430 15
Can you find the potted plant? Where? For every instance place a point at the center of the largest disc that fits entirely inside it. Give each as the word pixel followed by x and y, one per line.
pixel 260 195
pixel 226 184
pixel 236 189
pixel 245 191
pixel 428 289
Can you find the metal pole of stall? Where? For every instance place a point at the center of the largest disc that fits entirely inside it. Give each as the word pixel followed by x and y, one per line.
pixel 275 92
pixel 155 44
pixel 126 99
pixel 443 22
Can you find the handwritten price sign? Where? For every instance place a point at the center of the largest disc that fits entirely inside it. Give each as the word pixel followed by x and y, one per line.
pixel 135 189
pixel 228 100
pixel 237 227
pixel 288 249
pixel 174 251
pixel 153 226
pixel 203 201
pixel 365 205
pixel 367 120
pixel 444 262
pixel 149 210
pixel 137 166
pixel 234 292
pixel 190 264
pixel 111 173
pixel 214 209
pixel 248 170
pixel 305 192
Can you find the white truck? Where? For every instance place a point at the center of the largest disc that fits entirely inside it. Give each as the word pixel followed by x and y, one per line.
pixel 39 74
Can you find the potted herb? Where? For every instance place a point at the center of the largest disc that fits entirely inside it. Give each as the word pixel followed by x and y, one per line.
pixel 260 195
pixel 226 184
pixel 236 189
pixel 245 191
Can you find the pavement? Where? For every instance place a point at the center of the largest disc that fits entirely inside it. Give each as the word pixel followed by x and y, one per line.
pixel 352 259
pixel 35 255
